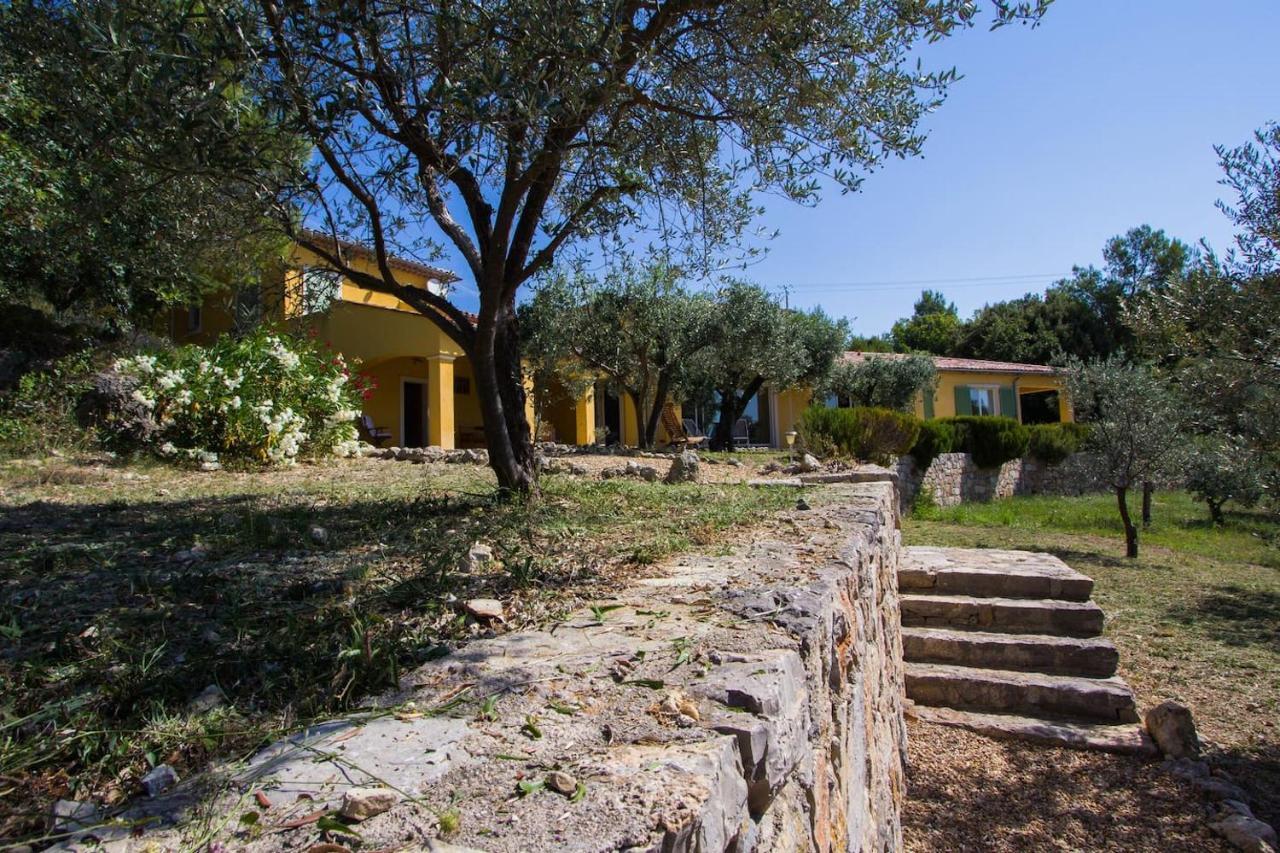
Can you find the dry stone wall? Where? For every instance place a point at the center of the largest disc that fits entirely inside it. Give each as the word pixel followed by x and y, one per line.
pixel 953 478
pixel 742 702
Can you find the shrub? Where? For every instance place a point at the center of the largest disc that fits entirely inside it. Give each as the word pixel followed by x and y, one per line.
pixel 1220 469
pixel 868 434
pixel 990 440
pixel 936 437
pixel 37 415
pixel 261 398
pixel 1053 443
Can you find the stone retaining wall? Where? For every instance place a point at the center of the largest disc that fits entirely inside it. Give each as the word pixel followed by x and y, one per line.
pixel 741 702
pixel 953 478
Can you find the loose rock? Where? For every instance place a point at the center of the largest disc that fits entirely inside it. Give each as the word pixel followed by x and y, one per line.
pixel 479 555
pixel 684 468
pixel 161 778
pixel 363 803
pixel 561 782
pixel 318 535
pixel 208 699
pixel 488 609
pixel 1171 727
pixel 1246 833
pixel 72 815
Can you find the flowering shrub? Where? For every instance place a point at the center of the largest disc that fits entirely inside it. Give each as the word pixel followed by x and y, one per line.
pixel 264 397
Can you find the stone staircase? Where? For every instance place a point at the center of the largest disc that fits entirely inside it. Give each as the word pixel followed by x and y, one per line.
pixel 1007 643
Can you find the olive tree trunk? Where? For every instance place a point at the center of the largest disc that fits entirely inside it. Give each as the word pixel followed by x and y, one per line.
pixel 1130 531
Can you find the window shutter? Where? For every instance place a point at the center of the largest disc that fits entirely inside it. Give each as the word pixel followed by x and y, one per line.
pixel 1008 403
pixel 963 406
pixel 928 401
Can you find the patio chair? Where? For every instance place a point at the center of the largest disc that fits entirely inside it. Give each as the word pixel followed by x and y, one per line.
pixel 676 431
pixel 375 435
pixel 741 433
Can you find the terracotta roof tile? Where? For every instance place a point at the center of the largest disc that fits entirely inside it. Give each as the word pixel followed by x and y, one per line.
pixel 961 365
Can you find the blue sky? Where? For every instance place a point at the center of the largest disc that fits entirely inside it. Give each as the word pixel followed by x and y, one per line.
pixel 1102 118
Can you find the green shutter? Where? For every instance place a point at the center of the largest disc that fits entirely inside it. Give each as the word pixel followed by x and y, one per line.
pixel 928 401
pixel 1008 403
pixel 963 406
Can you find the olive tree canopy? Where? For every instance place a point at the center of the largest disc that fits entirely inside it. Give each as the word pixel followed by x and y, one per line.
pixel 516 128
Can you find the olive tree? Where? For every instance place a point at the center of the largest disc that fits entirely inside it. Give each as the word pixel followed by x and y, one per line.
pixel 515 129
pixel 639 326
pixel 755 342
pixel 1135 427
pixel 884 381
pixel 137 168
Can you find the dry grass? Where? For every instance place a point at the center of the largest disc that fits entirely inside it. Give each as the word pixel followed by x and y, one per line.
pixel 109 625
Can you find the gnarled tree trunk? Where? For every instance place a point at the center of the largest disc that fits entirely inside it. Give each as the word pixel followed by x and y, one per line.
pixel 499 379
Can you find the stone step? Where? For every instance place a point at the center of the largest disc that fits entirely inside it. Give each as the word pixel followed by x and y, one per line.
pixel 1004 615
pixel 1123 739
pixel 1087 657
pixel 1104 700
pixel 991 574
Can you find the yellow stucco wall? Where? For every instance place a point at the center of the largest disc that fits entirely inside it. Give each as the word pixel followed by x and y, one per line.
pixel 944 399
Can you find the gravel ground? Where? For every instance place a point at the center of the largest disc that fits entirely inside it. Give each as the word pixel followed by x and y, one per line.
pixel 967 792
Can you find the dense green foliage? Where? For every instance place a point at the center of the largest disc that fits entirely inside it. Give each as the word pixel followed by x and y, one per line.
pixel 934 326
pixel 135 170
pixel 888 383
pixel 991 440
pixel 754 342
pixel 639 326
pixel 864 433
pixel 937 436
pixel 1083 315
pixel 1219 469
pixel 262 398
pixel 1053 443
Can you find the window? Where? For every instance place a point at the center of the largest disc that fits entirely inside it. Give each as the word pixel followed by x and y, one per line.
pixel 983 401
pixel 462 385
pixel 195 318
pixel 321 287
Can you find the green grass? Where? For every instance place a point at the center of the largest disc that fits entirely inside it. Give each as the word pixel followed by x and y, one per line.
pixel 1196 617
pixel 107 634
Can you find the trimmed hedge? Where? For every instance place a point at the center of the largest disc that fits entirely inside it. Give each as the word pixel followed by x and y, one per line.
pixel 990 440
pixel 936 438
pixel 1053 443
pixel 864 433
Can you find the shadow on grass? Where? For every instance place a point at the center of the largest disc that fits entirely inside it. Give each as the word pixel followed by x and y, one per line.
pixel 1234 615
pixel 114 615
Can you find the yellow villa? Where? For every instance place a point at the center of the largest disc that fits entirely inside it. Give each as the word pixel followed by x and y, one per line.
pixel 424 392
pixel 1029 393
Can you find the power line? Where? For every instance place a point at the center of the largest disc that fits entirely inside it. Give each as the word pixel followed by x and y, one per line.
pixel 974 281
